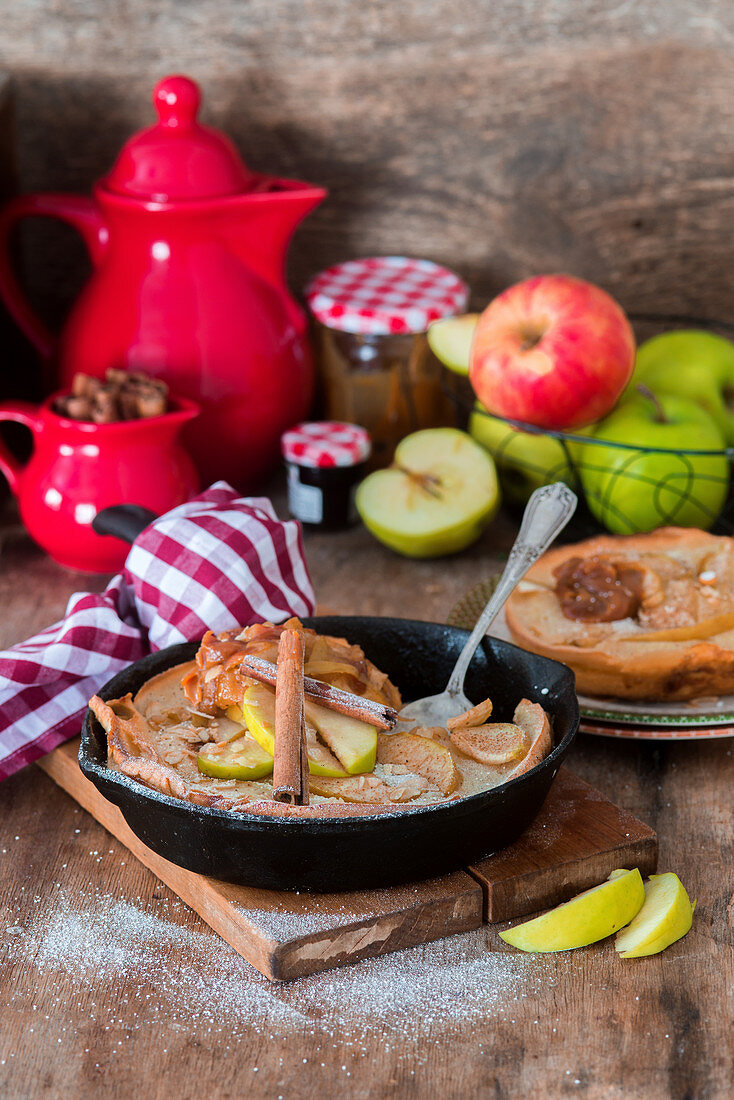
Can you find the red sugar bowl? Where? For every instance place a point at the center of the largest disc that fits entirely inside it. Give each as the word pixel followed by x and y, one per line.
pixel 78 467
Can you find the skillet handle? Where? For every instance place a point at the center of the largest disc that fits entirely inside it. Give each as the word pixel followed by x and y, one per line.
pixel 124 521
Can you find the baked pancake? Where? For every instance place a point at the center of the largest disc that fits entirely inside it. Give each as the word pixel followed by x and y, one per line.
pixel 199 732
pixel 648 617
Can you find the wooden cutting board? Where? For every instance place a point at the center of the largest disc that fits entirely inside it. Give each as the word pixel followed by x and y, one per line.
pixel 578 838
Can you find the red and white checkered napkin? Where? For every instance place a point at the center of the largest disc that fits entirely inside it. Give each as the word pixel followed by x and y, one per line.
pixel 217 562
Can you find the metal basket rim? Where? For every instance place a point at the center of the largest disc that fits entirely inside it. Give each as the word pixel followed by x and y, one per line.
pixel 571 437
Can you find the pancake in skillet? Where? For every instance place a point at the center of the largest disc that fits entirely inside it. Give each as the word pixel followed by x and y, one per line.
pixel 157 737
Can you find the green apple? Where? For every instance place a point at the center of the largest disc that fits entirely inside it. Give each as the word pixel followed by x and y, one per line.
pixel 450 341
pixel 354 743
pixel 258 714
pixel 436 498
pixel 630 490
pixel 694 364
pixel 585 919
pixel 666 916
pixel 524 460
pixel 242 758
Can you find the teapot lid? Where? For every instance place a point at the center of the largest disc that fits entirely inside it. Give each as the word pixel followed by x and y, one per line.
pixel 178 158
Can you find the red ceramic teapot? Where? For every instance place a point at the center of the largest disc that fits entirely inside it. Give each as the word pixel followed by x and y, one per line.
pixel 77 468
pixel 188 248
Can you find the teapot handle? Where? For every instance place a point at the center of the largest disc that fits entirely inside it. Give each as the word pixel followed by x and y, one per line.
pixel 78 211
pixel 22 413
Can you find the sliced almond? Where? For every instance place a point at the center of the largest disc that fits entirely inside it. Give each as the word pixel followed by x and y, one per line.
pixel 474 717
pixel 495 743
pixel 422 755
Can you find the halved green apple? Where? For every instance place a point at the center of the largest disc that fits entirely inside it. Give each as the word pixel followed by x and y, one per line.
pixel 242 758
pixel 436 498
pixel 450 341
pixel 352 741
pixel 258 714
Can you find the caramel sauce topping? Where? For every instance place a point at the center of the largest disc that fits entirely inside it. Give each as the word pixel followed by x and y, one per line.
pixel 597 590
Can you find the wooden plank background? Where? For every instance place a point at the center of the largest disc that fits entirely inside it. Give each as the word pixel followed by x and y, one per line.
pixel 503 137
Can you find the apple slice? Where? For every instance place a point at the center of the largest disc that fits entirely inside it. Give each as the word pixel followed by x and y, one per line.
pixel 666 917
pixel 590 916
pixel 258 714
pixel 243 758
pixel 450 341
pixel 436 498
pixel 533 721
pixel 369 788
pixel 475 716
pixel 353 742
pixel 494 743
pixel 422 755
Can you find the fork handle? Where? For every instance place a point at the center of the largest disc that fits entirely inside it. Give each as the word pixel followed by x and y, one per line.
pixel 546 514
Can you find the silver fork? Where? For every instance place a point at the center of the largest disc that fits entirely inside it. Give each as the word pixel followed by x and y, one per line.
pixel 546 514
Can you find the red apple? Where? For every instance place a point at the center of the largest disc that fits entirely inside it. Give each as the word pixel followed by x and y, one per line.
pixel 553 351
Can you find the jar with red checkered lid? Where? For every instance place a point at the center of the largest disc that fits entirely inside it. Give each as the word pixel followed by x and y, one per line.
pixel 325 461
pixel 375 366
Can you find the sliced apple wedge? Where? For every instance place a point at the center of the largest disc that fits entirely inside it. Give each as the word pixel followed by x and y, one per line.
pixel 590 916
pixel 258 715
pixel 436 498
pixel 422 755
pixel 665 917
pixel 242 758
pixel 369 788
pixel 533 721
pixel 493 743
pixel 450 340
pixel 353 742
pixel 475 716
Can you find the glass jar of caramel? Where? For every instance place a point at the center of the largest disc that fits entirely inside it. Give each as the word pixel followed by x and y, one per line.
pixel 374 365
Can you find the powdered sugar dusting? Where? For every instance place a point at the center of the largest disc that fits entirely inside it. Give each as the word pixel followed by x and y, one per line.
pixel 191 977
pixel 300 914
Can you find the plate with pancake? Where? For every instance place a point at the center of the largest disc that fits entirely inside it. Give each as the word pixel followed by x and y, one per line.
pixel 646 622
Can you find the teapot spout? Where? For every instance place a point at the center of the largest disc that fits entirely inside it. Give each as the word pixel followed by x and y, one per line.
pixel 268 218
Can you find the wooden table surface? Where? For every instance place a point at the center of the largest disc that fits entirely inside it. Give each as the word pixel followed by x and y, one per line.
pixel 110 987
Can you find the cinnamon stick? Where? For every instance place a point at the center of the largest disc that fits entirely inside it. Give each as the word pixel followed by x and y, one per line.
pixel 343 702
pixel 290 761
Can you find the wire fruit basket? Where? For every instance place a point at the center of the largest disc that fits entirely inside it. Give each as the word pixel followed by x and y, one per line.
pixel 623 487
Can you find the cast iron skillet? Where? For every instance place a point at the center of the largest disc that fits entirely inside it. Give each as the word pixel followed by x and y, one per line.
pixel 351 854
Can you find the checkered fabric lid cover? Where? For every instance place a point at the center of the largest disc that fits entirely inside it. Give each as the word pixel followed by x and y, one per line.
pixel 217 562
pixel 385 294
pixel 325 443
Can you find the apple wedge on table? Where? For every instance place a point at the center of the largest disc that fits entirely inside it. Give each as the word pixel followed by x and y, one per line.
pixel 665 917
pixel 590 916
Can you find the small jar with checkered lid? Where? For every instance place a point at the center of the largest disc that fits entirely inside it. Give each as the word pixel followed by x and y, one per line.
pixel 325 461
pixel 374 364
